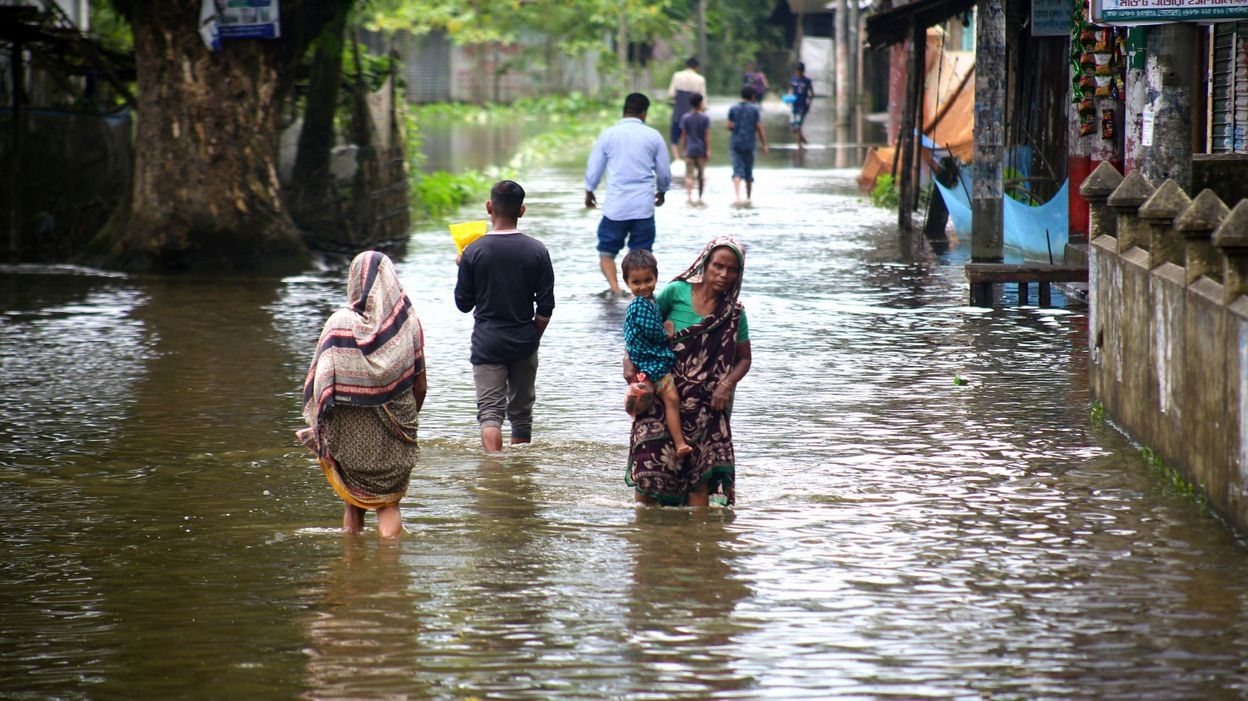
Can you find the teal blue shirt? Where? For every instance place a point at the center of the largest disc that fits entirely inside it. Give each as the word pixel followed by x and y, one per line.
pixel 676 303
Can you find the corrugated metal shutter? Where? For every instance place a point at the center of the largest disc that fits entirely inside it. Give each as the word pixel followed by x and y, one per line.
pixel 1229 118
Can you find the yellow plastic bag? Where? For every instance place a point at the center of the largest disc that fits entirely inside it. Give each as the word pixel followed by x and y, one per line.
pixel 467 232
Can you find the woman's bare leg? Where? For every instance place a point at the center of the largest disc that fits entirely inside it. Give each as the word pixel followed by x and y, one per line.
pixel 352 518
pixel 643 499
pixel 700 496
pixel 389 521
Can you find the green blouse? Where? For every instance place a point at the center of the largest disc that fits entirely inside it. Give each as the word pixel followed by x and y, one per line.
pixel 676 303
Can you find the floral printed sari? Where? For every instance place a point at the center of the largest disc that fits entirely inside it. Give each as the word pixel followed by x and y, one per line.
pixel 705 354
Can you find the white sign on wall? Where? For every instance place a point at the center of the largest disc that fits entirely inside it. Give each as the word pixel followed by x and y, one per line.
pixel 1161 11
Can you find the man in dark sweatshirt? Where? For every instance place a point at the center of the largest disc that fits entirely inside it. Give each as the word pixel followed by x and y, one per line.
pixel 507 282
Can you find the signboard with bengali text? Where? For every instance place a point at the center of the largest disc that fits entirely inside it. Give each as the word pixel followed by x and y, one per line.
pixel 1050 18
pixel 1127 12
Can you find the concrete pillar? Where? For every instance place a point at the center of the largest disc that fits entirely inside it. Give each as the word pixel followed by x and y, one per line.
pixel 1096 189
pixel 987 208
pixel 1170 70
pixel 855 62
pixel 840 31
pixel 1126 201
pixel 1136 98
pixel 1157 215
pixel 1085 152
pixel 1231 238
pixel 1196 224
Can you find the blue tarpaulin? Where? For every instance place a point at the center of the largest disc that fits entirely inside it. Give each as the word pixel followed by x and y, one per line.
pixel 1033 232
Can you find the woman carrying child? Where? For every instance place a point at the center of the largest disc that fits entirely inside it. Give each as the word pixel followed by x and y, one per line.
pixel 363 395
pixel 646 339
pixel 712 347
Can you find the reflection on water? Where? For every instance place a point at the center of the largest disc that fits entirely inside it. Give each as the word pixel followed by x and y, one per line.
pixel 464 145
pixel 682 603
pixel 895 534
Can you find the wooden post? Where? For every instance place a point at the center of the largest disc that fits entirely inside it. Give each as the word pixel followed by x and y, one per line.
pixel 987 215
pixel 909 121
pixel 15 219
pixel 937 211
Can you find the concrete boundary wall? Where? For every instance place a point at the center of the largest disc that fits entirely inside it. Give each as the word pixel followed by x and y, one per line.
pixel 1168 279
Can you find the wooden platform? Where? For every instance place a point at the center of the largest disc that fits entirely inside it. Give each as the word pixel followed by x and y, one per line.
pixel 983 276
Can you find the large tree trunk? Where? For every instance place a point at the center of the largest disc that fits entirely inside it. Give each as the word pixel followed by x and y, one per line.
pixel 311 192
pixel 205 194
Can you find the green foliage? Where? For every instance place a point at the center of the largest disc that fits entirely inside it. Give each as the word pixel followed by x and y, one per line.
pixel 1174 481
pixel 884 194
pixel 575 26
pixel 573 122
pixel 373 67
pixel 1016 187
pixel 413 141
pixel 441 194
pixel 110 28
pixel 959 380
pixel 738 30
pixel 1097 412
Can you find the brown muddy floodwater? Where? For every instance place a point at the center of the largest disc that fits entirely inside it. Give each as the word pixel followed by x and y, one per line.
pixel 896 535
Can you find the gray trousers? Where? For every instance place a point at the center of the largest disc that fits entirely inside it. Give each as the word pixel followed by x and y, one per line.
pixel 507 388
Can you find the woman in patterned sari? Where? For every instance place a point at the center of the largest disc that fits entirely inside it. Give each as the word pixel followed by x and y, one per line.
pixel 363 394
pixel 712 345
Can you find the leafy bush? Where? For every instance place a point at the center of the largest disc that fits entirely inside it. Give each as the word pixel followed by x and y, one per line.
pixel 441 194
pixel 884 194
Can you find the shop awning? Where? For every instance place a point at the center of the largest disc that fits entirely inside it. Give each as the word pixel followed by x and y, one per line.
pixel 893 26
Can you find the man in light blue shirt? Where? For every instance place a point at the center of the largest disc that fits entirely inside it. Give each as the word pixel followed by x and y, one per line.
pixel 635 159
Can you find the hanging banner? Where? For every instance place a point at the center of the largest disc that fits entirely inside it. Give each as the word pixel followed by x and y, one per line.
pixel 1050 18
pixel 248 19
pixel 1129 12
pixel 209 31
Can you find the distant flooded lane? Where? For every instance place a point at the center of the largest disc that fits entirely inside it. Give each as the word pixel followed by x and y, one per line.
pixel 896 534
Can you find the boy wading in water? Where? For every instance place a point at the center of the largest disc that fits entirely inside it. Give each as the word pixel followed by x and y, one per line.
pixel 695 144
pixel 647 338
pixel 745 122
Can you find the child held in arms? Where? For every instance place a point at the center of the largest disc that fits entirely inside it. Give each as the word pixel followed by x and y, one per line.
pixel 647 339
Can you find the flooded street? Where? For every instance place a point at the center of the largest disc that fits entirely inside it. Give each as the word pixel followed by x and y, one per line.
pixel 895 534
